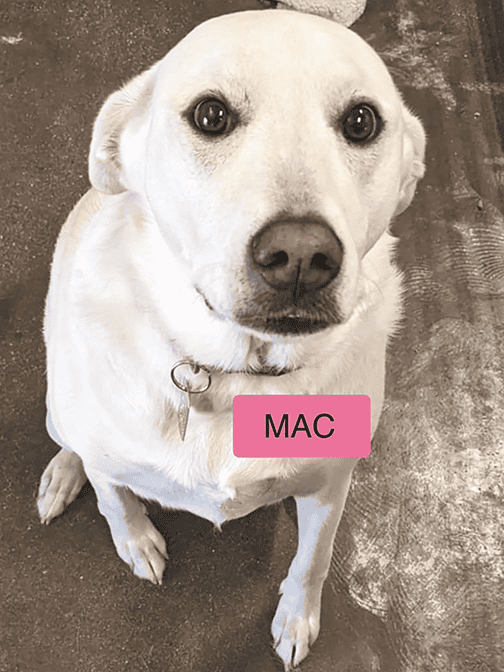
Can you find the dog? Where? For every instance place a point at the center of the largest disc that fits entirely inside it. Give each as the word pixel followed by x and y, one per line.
pixel 237 226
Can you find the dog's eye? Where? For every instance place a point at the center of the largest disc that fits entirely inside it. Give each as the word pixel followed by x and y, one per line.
pixel 362 124
pixel 211 116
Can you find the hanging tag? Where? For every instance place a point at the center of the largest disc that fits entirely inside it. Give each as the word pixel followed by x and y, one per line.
pixel 183 413
pixel 196 381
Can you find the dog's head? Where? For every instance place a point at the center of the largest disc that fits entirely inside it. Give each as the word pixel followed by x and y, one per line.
pixel 272 149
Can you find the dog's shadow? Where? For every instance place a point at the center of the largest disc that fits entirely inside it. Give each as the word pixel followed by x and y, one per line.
pixel 214 610
pixel 223 584
pixel 244 547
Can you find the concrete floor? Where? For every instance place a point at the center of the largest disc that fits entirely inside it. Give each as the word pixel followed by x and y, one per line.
pixel 418 571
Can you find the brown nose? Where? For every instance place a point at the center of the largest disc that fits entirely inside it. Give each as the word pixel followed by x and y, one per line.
pixel 297 256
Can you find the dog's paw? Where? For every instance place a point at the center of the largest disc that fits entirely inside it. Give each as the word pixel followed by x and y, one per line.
pixel 296 623
pixel 143 548
pixel 60 484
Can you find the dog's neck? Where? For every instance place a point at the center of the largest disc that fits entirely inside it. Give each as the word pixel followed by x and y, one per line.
pixel 258 352
pixel 262 370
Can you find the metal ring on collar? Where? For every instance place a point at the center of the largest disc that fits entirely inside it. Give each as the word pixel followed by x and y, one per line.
pixel 196 369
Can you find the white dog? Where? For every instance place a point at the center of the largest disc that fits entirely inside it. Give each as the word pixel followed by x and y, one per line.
pixel 242 190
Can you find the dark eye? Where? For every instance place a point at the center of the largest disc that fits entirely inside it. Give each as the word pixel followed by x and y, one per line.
pixel 211 116
pixel 362 124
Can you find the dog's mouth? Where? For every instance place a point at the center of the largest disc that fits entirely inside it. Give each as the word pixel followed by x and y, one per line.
pixel 290 320
pixel 287 320
pixel 298 323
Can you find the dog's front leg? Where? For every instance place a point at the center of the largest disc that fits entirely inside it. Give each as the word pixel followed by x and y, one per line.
pixel 60 484
pixel 136 539
pixel 297 620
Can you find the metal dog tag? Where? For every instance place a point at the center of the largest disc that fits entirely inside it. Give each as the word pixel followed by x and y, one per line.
pixel 183 413
pixel 189 384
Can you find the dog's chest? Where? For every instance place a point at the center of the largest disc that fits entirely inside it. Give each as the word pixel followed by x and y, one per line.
pixel 216 505
pixel 209 500
pixel 251 496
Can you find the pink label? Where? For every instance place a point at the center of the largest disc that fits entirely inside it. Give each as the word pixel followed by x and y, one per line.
pixel 302 425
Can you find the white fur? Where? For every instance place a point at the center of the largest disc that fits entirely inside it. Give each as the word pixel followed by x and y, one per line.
pixel 170 211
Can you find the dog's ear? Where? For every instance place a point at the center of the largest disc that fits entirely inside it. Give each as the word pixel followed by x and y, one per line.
pixel 124 109
pixel 413 167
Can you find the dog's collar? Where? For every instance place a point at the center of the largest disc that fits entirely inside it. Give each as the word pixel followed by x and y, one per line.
pixel 197 368
pixel 270 371
pixel 198 380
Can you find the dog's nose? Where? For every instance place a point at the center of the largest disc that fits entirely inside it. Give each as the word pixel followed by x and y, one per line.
pixel 299 256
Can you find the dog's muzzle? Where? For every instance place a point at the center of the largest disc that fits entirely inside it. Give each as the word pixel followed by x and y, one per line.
pixel 291 264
